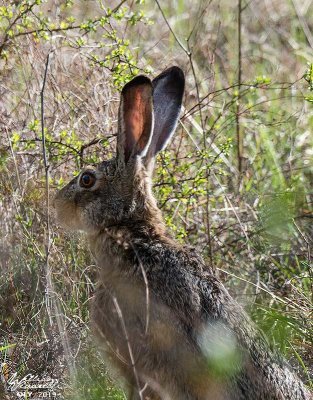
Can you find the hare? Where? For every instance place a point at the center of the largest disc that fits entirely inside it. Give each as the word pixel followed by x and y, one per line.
pixel 163 319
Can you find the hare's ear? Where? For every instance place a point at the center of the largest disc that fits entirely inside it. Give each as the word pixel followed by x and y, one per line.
pixel 135 118
pixel 168 90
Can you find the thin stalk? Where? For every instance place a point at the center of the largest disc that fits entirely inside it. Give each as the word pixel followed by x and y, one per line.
pixel 47 189
pixel 238 130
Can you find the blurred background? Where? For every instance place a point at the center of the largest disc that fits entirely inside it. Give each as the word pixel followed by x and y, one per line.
pixel 236 181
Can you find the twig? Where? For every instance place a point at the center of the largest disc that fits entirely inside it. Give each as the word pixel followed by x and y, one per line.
pixel 207 205
pixel 130 351
pixel 46 166
pixel 170 28
pixel 238 133
pixel 303 23
pixel 307 242
pixel 144 275
pixel 50 298
pixel 6 37
pixel 14 159
pixel 46 28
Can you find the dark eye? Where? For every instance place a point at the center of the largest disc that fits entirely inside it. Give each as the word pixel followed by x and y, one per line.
pixel 87 180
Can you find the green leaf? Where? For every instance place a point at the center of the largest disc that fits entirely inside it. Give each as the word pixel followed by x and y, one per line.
pixel 8 346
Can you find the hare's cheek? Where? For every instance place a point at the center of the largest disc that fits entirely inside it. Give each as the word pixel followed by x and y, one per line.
pixel 67 216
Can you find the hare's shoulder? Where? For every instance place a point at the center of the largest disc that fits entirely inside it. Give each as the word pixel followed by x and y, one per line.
pixel 170 261
pixel 180 277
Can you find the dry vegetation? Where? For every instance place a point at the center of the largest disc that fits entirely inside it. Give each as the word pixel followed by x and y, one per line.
pixel 236 182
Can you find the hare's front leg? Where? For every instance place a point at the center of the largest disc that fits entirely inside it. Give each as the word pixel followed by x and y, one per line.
pixel 146 394
pixel 133 394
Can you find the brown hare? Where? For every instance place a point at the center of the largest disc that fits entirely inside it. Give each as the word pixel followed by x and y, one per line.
pixel 161 315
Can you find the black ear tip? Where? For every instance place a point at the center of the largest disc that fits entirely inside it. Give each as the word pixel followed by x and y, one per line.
pixel 176 72
pixel 138 80
pixel 173 74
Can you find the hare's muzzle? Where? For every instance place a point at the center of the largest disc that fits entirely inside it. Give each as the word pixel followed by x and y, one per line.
pixel 65 207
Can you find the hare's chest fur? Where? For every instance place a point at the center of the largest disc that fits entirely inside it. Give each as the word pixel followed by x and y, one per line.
pixel 144 296
pixel 144 311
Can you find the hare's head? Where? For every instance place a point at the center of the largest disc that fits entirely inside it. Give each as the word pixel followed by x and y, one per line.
pixel 118 190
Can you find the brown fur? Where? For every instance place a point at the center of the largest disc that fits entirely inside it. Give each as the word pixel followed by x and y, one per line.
pixel 161 315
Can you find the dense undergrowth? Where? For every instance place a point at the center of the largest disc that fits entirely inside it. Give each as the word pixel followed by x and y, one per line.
pixel 236 182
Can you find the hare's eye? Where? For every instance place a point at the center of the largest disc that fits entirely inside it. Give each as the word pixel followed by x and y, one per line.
pixel 87 180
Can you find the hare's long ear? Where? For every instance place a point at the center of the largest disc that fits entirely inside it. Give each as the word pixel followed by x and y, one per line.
pixel 135 119
pixel 168 90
